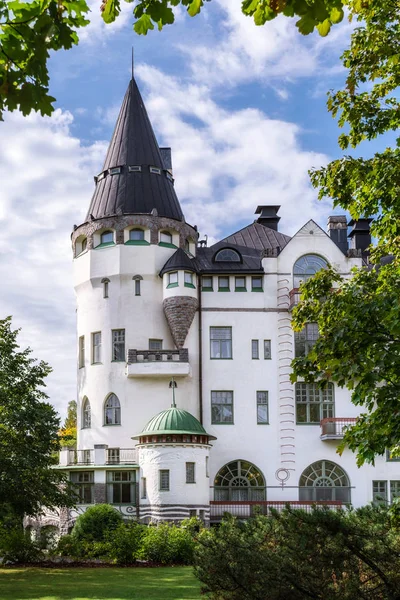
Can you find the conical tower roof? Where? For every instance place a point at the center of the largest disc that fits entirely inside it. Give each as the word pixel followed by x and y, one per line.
pixel 135 189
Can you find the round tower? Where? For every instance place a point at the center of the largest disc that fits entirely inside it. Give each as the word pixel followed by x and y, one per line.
pixel 173 453
pixel 128 349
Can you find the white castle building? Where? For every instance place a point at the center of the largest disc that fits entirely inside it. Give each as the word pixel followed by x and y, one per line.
pixel 157 308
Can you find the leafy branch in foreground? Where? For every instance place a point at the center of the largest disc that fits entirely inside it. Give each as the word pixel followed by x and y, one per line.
pixel 358 348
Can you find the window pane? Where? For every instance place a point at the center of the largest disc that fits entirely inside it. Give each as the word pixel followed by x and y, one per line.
pixel 254 349
pixel 164 479
pixel 379 492
pixel 136 234
pixel 190 466
pixel 165 237
pixel 82 351
pixel 256 283
pixel 173 277
pixel 223 282
pixel 155 344
pixel 188 277
pixel 96 341
pixel 206 282
pixel 267 349
pixel 118 340
pixel 240 282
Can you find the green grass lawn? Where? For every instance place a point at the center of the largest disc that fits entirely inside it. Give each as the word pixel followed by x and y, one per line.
pixel 163 583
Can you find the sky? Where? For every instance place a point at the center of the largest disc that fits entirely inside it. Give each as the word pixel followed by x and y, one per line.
pixel 243 108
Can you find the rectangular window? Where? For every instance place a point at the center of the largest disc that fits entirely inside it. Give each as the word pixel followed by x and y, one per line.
pixel 113 456
pixel 81 351
pixel 207 284
pixel 190 472
pixel 172 279
pixel 137 287
pixel 305 339
pixel 118 344
pixel 267 350
pixel 155 344
pixel 189 279
pixel 314 403
pixel 96 347
pixel 256 284
pixel 207 471
pixel 155 170
pixel 240 284
pixel 83 482
pixel 262 408
pixel 223 284
pixel 164 480
pixel 120 487
pixel 379 492
pixel 254 350
pixel 144 487
pixel 221 407
pixel 221 342
pixel 394 490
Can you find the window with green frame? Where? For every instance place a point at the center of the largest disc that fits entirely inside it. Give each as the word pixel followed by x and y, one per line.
pixel 121 487
pixel 240 284
pixel 223 284
pixel 314 403
pixel 206 283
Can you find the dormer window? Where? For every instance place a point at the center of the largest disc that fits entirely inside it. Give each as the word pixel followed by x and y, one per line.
pixel 228 255
pixel 115 170
pixel 155 170
pixel 107 237
pixel 136 235
pixel 101 176
pixel 169 176
pixel 165 237
pixel 134 168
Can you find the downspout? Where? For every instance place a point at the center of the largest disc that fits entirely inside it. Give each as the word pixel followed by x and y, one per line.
pixel 200 332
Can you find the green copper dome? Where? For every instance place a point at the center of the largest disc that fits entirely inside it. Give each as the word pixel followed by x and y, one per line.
pixel 174 420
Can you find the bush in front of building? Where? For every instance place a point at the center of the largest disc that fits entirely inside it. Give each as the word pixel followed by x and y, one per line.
pixel 324 554
pixel 17 546
pixel 124 543
pixel 167 544
pixel 96 523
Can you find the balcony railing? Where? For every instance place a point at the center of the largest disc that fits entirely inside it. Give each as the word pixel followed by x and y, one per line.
pixel 120 456
pixel 246 509
pixel 80 457
pixel 136 356
pixel 334 428
pixel 294 297
pixel 158 363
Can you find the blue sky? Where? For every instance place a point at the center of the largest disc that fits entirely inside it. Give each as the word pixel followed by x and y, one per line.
pixel 242 107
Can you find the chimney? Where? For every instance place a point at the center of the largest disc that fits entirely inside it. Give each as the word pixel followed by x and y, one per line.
pixel 337 231
pixel 360 235
pixel 268 216
pixel 166 156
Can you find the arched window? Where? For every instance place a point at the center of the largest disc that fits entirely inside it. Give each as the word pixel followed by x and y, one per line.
pixel 324 480
pixel 105 281
pixel 239 480
pixel 112 411
pixel 165 237
pixel 306 266
pixel 86 414
pixel 84 244
pixel 136 235
pixel 107 237
pixel 137 279
pixel 227 255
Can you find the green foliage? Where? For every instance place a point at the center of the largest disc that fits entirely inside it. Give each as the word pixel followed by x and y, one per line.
pixel 358 348
pixel 69 545
pixel 67 433
pixel 167 544
pixel 96 523
pixel 28 434
pixel 325 555
pixel 17 546
pixel 125 543
pixel 28 32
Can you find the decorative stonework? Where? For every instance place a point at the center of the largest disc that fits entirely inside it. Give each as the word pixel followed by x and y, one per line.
pixel 119 223
pixel 100 493
pixel 179 312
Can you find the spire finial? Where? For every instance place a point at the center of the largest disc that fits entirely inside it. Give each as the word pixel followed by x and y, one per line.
pixel 173 385
pixel 132 63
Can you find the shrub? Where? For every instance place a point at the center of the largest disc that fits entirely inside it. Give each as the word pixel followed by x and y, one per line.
pixel 124 543
pixel 17 546
pixel 167 544
pixel 96 523
pixel 68 545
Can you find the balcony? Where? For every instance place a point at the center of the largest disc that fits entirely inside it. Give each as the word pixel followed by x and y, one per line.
pixel 158 363
pixel 80 457
pixel 334 429
pixel 246 509
pixel 294 297
pixel 121 456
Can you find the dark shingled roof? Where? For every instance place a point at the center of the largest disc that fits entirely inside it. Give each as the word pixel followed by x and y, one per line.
pixel 178 261
pixel 251 260
pixel 259 237
pixel 134 143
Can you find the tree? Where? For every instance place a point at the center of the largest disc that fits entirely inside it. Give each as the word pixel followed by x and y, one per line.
pixel 67 433
pixel 28 434
pixel 359 322
pixel 322 555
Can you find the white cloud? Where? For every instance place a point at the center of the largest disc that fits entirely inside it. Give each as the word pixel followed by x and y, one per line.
pixel 98 31
pixel 46 177
pixel 226 163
